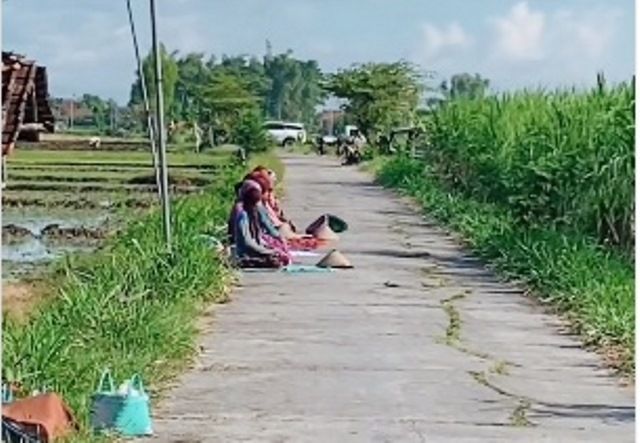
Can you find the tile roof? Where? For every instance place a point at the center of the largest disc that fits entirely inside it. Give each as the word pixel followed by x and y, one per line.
pixel 25 98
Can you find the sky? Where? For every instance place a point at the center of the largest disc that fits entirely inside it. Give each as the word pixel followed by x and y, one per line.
pixel 87 47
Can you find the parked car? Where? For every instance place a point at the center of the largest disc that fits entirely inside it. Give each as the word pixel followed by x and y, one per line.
pixel 285 133
pixel 329 139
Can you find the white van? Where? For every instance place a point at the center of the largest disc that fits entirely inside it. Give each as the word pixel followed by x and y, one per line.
pixel 285 133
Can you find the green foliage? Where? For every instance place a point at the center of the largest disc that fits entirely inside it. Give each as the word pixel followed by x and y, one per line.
pixel 380 96
pixel 249 132
pixel 295 88
pixel 226 97
pixel 464 86
pixel 214 93
pixel 563 158
pixel 169 80
pixel 594 286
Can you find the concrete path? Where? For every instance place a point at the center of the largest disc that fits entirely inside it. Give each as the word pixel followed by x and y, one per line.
pixel 418 343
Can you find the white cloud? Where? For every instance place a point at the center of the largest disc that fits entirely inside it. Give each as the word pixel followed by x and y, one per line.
pixel 528 35
pixel 520 33
pixel 438 42
pixel 589 33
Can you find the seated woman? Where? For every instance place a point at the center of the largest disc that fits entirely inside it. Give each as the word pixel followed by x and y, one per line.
pixel 250 250
pixel 271 230
pixel 269 234
pixel 270 206
pixel 240 189
pixel 274 204
pixel 275 215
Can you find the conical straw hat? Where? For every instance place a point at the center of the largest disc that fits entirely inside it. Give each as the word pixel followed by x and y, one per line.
pixel 334 259
pixel 325 233
pixel 336 224
pixel 322 220
pixel 286 231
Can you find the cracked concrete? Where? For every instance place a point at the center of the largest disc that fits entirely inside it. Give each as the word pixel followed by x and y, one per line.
pixel 357 355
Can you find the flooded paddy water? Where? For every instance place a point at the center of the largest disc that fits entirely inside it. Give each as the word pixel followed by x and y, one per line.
pixel 33 237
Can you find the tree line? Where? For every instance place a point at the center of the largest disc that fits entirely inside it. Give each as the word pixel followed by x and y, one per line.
pixel 217 99
pixel 212 95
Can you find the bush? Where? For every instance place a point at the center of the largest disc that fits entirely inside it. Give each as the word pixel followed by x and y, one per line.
pixel 249 133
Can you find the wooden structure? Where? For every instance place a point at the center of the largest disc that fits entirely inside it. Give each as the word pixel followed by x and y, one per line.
pixel 26 111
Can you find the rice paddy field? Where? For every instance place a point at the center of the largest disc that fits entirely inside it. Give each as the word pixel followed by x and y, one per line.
pixel 541 184
pixel 62 197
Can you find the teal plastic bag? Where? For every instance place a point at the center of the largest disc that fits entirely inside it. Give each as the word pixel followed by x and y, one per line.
pixel 7 393
pixel 125 411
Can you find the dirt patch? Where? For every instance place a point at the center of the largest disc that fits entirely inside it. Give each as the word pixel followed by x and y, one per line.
pixel 82 144
pixel 17 177
pixel 12 231
pixel 57 232
pixel 174 180
pixel 84 163
pixel 14 234
pixel 82 188
pixel 19 298
pixel 21 202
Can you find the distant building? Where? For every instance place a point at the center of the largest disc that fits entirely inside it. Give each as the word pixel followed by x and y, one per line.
pixel 72 112
pixel 26 111
pixel 330 120
pixel 25 104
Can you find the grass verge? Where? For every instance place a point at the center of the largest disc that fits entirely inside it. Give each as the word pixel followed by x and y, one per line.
pixel 592 286
pixel 131 308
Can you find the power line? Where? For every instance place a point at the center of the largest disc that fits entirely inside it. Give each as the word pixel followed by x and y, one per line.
pixel 157 132
pixel 145 98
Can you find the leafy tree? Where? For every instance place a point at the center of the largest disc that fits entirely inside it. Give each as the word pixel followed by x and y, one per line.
pixel 464 86
pixel 193 74
pixel 249 133
pixel 170 74
pixel 209 94
pixel 225 98
pixel 380 95
pixel 99 109
pixel 296 88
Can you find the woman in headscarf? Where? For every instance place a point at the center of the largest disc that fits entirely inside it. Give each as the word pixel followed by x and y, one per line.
pixel 271 235
pixel 240 188
pixel 250 250
pixel 259 182
pixel 272 209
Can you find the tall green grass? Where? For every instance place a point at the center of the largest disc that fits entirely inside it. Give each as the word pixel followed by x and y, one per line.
pixel 130 307
pixel 561 158
pixel 593 285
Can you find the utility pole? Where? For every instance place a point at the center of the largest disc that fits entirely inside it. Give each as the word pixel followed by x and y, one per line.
pixel 161 132
pixel 71 106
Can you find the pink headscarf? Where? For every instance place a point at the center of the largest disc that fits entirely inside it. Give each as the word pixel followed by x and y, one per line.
pixel 247 185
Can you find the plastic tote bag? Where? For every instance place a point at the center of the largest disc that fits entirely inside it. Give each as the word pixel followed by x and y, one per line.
pixel 125 411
